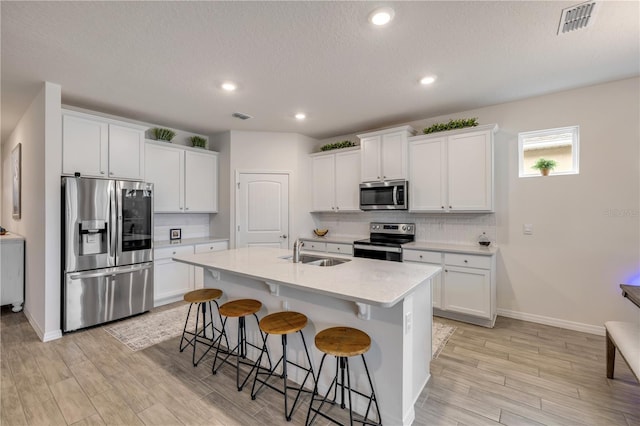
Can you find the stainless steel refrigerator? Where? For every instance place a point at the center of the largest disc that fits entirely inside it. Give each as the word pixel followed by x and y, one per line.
pixel 108 250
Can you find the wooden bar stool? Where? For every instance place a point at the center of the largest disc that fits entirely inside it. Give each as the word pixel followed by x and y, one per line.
pixel 343 342
pixel 283 323
pixel 239 309
pixel 201 298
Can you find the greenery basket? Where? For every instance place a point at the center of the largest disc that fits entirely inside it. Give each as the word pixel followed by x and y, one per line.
pixel 337 145
pixel 163 134
pixel 198 141
pixel 451 125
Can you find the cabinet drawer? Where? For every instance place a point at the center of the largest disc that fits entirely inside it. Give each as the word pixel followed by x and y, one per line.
pixel 469 260
pixel 215 246
pixel 315 246
pixel 169 252
pixel 340 248
pixel 422 256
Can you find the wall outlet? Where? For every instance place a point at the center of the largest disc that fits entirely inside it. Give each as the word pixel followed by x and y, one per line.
pixel 527 229
pixel 408 322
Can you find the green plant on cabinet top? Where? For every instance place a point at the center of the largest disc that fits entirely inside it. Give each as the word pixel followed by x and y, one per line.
pixel 198 141
pixel 337 145
pixel 451 125
pixel 163 134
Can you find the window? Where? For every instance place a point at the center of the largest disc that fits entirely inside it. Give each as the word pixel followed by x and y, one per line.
pixel 559 145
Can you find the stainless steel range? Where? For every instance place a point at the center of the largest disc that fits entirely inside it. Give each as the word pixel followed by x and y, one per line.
pixel 385 241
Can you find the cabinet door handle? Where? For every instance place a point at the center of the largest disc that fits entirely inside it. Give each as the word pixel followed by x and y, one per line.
pixel 446 270
pixel 337 208
pixel 466 261
pixel 284 237
pixel 110 173
pixel 450 207
pixel 442 207
pixel 378 177
pixel 420 256
pixel 101 172
pixel 384 177
pixel 186 208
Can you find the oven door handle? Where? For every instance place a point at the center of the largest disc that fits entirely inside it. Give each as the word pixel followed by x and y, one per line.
pixel 376 248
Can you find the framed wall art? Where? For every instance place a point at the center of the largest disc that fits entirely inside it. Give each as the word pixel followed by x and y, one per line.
pixel 175 234
pixel 16 170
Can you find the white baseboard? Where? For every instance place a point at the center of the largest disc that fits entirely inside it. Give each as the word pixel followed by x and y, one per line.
pixel 555 322
pixel 45 337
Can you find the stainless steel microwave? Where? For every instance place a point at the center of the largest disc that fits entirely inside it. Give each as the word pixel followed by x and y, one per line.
pixel 388 195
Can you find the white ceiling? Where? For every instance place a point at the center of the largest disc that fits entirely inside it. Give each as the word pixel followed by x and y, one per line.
pixel 163 62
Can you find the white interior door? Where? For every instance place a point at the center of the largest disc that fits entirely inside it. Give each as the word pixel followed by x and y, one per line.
pixel 262 212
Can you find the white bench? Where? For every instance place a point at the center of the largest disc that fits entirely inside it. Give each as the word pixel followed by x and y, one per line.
pixel 625 336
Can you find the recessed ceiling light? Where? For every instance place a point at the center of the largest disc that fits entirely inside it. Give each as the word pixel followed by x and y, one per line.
pixel 229 87
pixel 301 116
pixel 381 16
pixel 427 80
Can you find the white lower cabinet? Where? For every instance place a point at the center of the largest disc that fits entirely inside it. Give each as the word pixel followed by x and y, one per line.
pixel 433 258
pixel 171 280
pixel 206 248
pixel 12 271
pixel 466 288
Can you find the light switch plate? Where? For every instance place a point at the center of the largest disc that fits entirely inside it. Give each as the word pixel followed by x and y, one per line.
pixel 527 229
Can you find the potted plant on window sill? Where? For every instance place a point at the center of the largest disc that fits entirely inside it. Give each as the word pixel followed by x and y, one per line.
pixel 545 166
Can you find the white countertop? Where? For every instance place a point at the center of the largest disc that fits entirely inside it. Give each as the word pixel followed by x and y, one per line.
pixel 187 241
pixel 334 239
pixel 361 280
pixel 11 237
pixel 416 245
pixel 452 248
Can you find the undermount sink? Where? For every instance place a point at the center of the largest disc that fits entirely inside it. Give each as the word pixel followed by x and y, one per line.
pixel 310 259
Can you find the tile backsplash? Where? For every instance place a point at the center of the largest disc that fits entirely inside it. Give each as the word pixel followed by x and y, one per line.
pixel 453 228
pixel 193 225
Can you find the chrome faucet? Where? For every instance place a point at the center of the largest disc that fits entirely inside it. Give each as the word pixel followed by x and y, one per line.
pixel 297 246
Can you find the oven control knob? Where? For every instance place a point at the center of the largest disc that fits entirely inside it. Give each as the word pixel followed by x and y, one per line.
pixel 409 228
pixel 404 228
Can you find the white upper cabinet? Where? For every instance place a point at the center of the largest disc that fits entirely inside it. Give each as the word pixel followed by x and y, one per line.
pixel 384 154
pixel 126 152
pixel 201 182
pixel 336 179
pixel 185 180
pixel 427 186
pixel 165 169
pixel 99 147
pixel 452 171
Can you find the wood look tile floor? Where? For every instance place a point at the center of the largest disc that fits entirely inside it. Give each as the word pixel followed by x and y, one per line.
pixel 518 373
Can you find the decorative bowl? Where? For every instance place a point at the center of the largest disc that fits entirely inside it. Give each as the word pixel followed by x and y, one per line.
pixel 320 232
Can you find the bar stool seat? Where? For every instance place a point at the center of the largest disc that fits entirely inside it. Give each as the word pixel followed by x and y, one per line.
pixel 283 323
pixel 240 309
pixel 201 298
pixel 343 342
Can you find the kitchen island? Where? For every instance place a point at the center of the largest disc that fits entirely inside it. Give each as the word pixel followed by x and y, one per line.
pixel 389 301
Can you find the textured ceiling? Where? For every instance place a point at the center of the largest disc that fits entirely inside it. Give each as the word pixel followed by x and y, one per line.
pixel 163 62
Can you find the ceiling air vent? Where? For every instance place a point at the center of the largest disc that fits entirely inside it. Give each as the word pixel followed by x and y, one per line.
pixel 577 17
pixel 241 116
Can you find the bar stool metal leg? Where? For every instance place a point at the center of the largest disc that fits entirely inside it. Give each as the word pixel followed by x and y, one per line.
pixel 284 323
pixel 343 342
pixel 240 350
pixel 200 298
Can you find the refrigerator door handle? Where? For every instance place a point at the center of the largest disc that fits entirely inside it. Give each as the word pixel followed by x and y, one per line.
pixel 111 271
pixel 113 232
